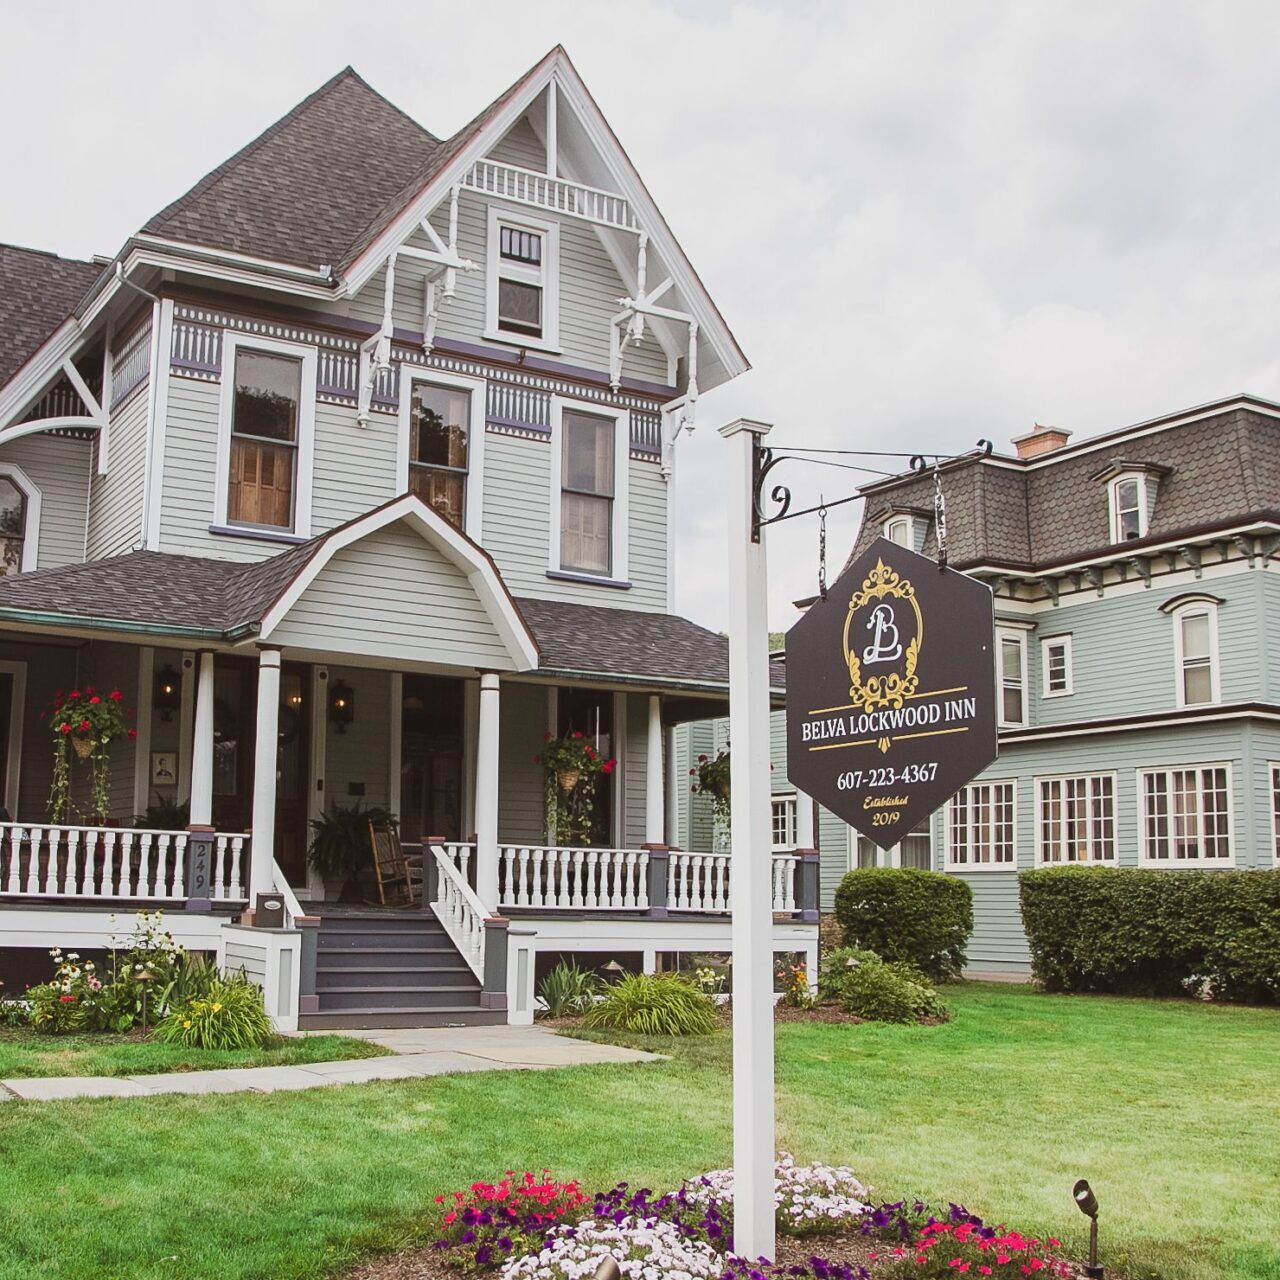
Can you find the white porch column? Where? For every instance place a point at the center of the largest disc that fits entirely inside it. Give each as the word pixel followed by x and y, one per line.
pixel 753 1103
pixel 673 782
pixel 202 747
pixel 265 752
pixel 804 822
pixel 487 793
pixel 654 790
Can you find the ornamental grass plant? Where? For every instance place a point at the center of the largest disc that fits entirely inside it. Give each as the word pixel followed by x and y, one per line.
pixel 654 1004
pixel 229 1016
pixel 568 990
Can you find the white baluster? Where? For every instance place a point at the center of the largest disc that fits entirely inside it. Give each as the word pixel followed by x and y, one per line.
pixel 574 866
pixel 507 866
pixel 90 842
pixel 144 864
pixel 15 859
pixel 593 894
pixel 109 839
pixel 161 846
pixel 180 865
pixel 51 866
pixel 789 901
pixel 683 898
pixel 625 864
pixel 562 880
pixel 521 898
pixel 642 882
pixel 218 888
pixel 35 837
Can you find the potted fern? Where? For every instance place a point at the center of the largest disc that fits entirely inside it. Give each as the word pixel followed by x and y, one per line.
pixel 339 848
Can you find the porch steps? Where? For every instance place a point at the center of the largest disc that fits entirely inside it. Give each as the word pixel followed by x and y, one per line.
pixel 379 968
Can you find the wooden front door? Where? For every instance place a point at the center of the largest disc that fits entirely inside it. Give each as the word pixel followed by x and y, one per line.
pixel 431 758
pixel 235 713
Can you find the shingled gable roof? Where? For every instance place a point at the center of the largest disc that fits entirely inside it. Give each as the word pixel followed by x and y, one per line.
pixel 301 191
pixel 37 292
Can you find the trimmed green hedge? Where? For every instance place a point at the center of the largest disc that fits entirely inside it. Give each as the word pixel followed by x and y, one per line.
pixel 923 918
pixel 1151 931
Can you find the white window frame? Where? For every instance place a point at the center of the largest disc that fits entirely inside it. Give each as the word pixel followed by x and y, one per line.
pixel 949 849
pixel 17 718
pixel 1183 611
pixel 1273 778
pixel 1144 859
pixel 1042 860
pixel 618 575
pixel 1046 644
pixel 907 523
pixel 233 342
pixel 1113 492
pixel 31 533
pixel 1004 633
pixel 473 501
pixel 788 800
pixel 546 277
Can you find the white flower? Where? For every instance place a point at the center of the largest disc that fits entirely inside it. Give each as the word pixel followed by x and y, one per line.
pixel 803 1193
pixel 646 1248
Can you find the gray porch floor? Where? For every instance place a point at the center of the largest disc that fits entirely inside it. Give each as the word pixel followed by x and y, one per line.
pixel 427 1051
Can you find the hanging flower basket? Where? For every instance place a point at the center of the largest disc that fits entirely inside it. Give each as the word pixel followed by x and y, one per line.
pixel 90 722
pixel 572 767
pixel 711 779
pixel 567 779
pixel 83 747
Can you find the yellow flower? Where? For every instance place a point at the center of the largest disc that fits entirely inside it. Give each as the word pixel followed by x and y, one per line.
pixel 217 1008
pixel 186 1022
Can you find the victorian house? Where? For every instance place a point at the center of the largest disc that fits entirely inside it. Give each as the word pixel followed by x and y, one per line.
pixel 352 473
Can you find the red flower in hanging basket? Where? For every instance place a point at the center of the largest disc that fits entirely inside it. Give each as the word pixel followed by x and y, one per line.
pixel 93 702
pixel 84 726
pixel 609 766
pixel 116 695
pixel 133 733
pixel 75 693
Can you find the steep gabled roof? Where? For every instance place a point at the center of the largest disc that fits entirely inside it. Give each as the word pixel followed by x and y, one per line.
pixel 301 192
pixel 37 292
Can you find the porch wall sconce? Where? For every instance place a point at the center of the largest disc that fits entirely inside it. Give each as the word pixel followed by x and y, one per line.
pixel 342 705
pixel 168 693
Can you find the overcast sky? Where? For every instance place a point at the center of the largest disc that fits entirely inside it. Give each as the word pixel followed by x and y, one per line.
pixel 925 223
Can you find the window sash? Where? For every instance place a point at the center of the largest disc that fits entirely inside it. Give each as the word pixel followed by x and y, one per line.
pixel 263 459
pixel 1077 818
pixel 443 489
pixel 1275 812
pixel 586 533
pixel 521 280
pixel 783 822
pixel 1127 496
pixel 899 532
pixel 1186 815
pixel 1056 678
pixel 980 825
pixel 1013 694
pixel 13 528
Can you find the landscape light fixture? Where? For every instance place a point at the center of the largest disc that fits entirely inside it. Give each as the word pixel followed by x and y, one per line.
pixel 614 968
pixel 168 694
pixel 608 1270
pixel 1087 1203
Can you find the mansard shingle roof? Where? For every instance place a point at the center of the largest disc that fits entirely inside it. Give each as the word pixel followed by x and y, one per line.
pixel 1218 467
pixel 37 292
pixel 302 191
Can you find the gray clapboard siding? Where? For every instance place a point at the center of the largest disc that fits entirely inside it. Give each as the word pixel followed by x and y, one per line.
pixel 521 800
pixel 363 753
pixel 354 468
pixel 60 468
pixel 116 500
pixel 833 849
pixel 394 596
pixel 249 960
pixel 589 284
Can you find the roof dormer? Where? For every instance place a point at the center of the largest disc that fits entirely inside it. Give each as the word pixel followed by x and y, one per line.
pixel 906 526
pixel 1131 496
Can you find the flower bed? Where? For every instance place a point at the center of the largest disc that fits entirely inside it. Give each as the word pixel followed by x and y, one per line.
pixel 532 1227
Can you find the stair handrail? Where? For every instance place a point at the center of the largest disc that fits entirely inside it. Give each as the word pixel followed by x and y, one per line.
pixel 459 910
pixel 292 907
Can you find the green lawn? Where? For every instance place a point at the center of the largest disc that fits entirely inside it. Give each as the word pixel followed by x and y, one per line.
pixel 1172 1110
pixel 24 1053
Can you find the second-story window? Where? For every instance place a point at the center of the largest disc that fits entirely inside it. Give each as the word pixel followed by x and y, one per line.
pixel 1128 509
pixel 439 437
pixel 1055 660
pixel 1195 646
pixel 587 493
pixel 13 527
pixel 264 440
pixel 1013 678
pixel 523 291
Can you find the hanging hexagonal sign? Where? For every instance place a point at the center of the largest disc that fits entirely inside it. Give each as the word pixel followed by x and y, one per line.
pixel 891 691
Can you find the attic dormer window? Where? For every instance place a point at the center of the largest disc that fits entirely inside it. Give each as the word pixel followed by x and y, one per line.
pixel 523 303
pixel 1128 508
pixel 899 530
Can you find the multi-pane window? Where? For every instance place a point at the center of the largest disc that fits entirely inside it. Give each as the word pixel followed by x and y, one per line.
pixel 1013 678
pixel 13 526
pixel 439 438
pixel 521 281
pixel 1077 818
pixel 587 492
pixel 1055 657
pixel 1128 509
pixel 899 530
pixel 1186 814
pixel 1275 812
pixel 916 850
pixel 980 826
pixel 1195 646
pixel 783 822
pixel 264 439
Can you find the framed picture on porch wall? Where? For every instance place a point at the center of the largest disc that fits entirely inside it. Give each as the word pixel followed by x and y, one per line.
pixel 164 768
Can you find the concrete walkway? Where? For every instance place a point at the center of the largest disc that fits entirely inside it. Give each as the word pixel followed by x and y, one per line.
pixel 432 1051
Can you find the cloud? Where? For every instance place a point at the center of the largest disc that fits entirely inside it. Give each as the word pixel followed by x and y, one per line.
pixel 926 223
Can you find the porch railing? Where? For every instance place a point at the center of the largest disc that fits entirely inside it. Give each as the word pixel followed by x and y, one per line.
pixel 107 864
pixel 457 908
pixel 702 881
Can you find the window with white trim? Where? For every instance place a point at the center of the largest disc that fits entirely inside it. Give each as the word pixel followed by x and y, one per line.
pixel 783 823
pixel 523 294
pixel 900 530
pixel 1076 819
pixel 1275 812
pixel 1186 815
pixel 589 492
pixel 1012 651
pixel 14 517
pixel 1195 643
pixel 980 826
pixel 1128 508
pixel 1055 666
pixel 915 850
pixel 439 448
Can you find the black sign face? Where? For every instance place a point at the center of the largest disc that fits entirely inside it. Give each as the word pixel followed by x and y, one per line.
pixel 891 691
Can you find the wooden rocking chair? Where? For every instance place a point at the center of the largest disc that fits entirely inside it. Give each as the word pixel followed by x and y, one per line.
pixel 399 877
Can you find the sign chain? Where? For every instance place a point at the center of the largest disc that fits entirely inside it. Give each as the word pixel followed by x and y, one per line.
pixel 940 516
pixel 822 547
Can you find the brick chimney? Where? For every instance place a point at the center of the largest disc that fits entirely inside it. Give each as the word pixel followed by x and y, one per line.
pixel 1040 440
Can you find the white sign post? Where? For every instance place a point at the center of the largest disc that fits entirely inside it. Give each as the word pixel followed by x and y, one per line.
pixel 750 877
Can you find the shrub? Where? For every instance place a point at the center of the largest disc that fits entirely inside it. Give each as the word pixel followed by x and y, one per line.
pixel 876 989
pixel 923 918
pixel 568 990
pixel 231 1016
pixel 1151 931
pixel 54 1011
pixel 656 1004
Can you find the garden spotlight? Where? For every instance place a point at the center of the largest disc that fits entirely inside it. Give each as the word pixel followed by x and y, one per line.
pixel 1087 1203
pixel 608 1270
pixel 144 978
